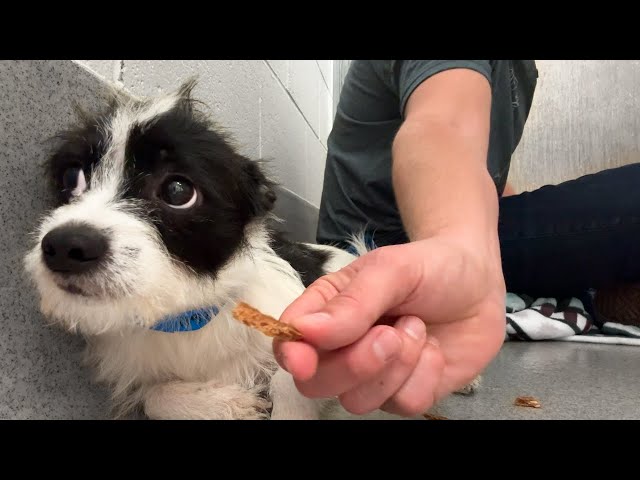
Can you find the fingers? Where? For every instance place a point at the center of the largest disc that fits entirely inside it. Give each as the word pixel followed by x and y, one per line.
pixel 370 395
pixel 298 358
pixel 418 393
pixel 343 369
pixel 373 368
pixel 315 296
pixel 339 308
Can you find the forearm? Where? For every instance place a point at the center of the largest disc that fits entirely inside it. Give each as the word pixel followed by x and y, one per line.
pixel 442 185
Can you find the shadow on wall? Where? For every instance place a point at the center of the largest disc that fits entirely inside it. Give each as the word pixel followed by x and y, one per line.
pixel 585 118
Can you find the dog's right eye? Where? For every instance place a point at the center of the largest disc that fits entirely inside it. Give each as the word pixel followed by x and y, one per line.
pixel 73 180
pixel 178 192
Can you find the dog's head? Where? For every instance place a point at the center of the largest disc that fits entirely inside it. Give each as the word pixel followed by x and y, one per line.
pixel 153 203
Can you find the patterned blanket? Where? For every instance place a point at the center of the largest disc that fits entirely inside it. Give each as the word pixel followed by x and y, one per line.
pixel 565 320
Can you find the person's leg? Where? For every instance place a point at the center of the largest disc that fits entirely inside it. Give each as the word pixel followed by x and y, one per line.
pixel 562 240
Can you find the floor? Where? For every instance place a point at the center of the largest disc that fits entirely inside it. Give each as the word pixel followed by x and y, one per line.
pixel 570 380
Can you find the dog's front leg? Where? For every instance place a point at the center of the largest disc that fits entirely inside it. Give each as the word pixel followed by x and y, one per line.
pixel 204 401
pixel 289 403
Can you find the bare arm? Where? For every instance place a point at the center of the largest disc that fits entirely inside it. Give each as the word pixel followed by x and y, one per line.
pixel 444 291
pixel 440 176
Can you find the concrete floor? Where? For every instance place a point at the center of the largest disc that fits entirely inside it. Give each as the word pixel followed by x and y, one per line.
pixel 571 381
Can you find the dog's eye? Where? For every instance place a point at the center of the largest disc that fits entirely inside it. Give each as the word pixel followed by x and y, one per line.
pixel 74 181
pixel 179 192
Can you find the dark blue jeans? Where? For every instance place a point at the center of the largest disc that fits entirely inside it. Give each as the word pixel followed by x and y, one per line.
pixel 564 240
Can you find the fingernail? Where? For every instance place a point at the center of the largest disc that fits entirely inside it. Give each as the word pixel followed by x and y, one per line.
pixel 386 345
pixel 433 341
pixel 414 327
pixel 313 319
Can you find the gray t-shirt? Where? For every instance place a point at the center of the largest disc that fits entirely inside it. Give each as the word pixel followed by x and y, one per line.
pixel 357 191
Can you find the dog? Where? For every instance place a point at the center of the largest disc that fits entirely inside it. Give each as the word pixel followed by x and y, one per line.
pixel 158 215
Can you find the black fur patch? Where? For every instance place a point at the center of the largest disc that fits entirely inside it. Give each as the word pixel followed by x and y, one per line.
pixel 80 147
pixel 308 262
pixel 231 189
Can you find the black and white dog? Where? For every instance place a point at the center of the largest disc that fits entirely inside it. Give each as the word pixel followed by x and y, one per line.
pixel 159 218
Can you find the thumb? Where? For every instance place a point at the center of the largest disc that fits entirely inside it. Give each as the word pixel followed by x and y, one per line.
pixel 341 307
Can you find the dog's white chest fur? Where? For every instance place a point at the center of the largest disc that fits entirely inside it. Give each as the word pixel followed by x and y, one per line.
pixel 224 353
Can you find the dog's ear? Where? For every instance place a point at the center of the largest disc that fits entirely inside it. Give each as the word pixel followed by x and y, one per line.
pixel 263 193
pixel 185 90
pixel 184 94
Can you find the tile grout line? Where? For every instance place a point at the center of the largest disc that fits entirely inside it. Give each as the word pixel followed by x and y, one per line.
pixel 323 79
pixel 293 100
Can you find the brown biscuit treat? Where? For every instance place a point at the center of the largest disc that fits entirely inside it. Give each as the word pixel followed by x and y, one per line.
pixel 431 416
pixel 264 323
pixel 527 402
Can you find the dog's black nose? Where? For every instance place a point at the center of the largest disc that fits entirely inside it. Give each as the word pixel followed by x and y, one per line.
pixel 73 248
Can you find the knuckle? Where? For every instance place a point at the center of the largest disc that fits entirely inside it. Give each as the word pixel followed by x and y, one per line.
pixel 360 362
pixel 349 302
pixel 309 390
pixel 358 401
pixel 410 354
pixel 324 287
pixel 359 369
pixel 335 281
pixel 412 405
pixel 331 285
pixel 382 256
pixel 355 408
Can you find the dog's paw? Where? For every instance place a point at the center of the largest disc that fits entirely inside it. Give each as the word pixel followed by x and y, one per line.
pixel 249 405
pixel 205 401
pixel 471 387
pixel 288 403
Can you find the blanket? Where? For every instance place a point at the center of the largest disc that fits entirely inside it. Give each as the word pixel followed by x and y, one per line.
pixel 566 320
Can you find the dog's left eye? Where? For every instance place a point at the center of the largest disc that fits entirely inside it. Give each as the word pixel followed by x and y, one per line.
pixel 74 181
pixel 178 192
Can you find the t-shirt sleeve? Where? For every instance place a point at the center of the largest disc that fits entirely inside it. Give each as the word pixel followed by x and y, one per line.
pixel 409 74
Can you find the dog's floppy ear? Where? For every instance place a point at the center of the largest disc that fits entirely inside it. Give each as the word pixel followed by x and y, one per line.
pixel 263 193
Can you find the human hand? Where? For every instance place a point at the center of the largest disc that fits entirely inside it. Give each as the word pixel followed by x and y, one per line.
pixel 399 328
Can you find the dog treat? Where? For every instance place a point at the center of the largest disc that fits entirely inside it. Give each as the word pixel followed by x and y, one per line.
pixel 264 323
pixel 430 416
pixel 527 402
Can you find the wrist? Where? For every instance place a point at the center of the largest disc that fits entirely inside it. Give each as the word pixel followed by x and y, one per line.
pixel 480 250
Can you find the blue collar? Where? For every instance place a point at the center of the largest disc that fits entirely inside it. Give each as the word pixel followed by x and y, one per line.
pixel 186 321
